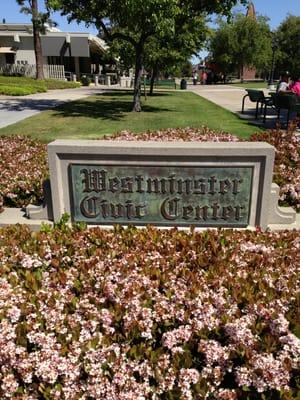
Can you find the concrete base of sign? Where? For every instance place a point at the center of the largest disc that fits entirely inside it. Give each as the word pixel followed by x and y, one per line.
pixel 13 216
pixel 279 215
pixel 44 211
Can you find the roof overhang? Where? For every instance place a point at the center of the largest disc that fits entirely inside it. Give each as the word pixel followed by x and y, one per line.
pixel 7 50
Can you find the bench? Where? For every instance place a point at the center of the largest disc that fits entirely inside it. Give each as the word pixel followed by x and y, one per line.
pixel 162 83
pixel 258 97
pixel 285 101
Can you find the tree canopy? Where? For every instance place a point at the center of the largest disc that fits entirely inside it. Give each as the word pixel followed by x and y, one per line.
pixel 287 39
pixel 136 21
pixel 242 42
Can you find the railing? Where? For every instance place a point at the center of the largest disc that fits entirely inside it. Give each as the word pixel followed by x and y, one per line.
pixel 29 70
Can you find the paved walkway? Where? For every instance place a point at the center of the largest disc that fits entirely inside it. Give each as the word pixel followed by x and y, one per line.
pixel 231 97
pixel 14 109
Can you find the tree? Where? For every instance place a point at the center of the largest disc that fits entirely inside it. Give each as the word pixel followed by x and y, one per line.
pixel 220 48
pixel 136 21
pixel 38 22
pixel 287 39
pixel 243 42
pixel 168 53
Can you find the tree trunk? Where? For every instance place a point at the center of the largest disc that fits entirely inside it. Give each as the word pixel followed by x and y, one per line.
pixel 37 42
pixel 137 79
pixel 242 72
pixel 153 77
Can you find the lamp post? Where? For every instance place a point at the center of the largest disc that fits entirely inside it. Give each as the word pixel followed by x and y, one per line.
pixel 274 48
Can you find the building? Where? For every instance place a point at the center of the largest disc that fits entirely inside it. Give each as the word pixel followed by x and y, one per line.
pixel 78 53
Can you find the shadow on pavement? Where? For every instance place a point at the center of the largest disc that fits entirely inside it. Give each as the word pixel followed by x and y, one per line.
pixel 28 104
pixel 111 108
pixel 272 120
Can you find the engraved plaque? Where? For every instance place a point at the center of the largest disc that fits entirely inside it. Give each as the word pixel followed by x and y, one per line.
pixel 161 195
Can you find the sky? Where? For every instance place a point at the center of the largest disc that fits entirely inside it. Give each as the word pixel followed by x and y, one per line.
pixel 275 10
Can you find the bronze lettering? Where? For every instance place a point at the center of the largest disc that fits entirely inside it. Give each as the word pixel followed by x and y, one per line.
pixel 236 182
pixel 94 180
pixel 87 181
pixel 187 211
pixel 154 186
pixel 140 210
pixel 227 212
pixel 139 180
pixel 199 186
pixel 169 208
pixel 127 185
pixel 201 213
pixel 187 183
pixel 172 183
pixel 238 212
pixel 104 206
pixel 88 207
pixel 225 186
pixel 212 180
pixel 130 209
pixel 215 207
pixel 117 210
pixel 204 196
pixel 114 184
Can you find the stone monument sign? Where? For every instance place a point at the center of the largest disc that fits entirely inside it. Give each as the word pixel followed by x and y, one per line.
pixel 205 184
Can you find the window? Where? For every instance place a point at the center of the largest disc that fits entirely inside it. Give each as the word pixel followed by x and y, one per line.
pixel 9 58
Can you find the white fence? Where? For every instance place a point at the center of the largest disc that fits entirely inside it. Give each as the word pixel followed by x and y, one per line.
pixel 50 71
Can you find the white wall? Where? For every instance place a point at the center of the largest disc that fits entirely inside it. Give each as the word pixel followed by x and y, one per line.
pixel 25 50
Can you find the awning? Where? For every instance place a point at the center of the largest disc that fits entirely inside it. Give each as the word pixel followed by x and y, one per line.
pixel 7 50
pixel 65 46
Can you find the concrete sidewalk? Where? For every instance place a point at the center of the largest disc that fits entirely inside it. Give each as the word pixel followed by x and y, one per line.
pixel 13 109
pixel 231 97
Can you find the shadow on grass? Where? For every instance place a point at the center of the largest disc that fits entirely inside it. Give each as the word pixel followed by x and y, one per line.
pixel 111 106
pixel 120 93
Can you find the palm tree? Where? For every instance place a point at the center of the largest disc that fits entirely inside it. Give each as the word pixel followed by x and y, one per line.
pixel 38 22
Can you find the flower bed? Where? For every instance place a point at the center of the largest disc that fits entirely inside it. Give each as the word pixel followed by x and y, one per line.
pixel 23 162
pixel 148 314
pixel 23 168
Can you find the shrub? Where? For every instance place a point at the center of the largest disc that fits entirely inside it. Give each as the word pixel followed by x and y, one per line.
pixel 85 80
pixel 286 171
pixel 10 90
pixel 287 162
pixel 23 168
pixel 58 84
pixel 148 314
pixel 20 86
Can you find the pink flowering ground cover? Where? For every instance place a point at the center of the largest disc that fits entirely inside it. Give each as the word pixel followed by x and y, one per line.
pixel 137 314
pixel 23 167
pixel 23 161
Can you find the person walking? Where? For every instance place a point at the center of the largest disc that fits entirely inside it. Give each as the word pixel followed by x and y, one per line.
pixel 203 77
pixel 295 87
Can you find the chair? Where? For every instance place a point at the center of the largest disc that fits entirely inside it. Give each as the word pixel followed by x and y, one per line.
pixel 258 97
pixel 285 101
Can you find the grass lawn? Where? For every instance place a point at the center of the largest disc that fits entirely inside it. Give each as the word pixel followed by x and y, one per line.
pixel 109 113
pixel 20 86
pixel 251 85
